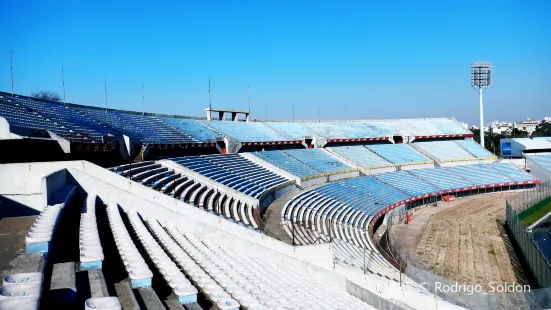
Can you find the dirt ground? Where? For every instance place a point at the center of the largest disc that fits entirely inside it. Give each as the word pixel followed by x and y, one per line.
pixel 463 240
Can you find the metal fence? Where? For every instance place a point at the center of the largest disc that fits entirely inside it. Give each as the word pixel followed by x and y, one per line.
pixel 528 246
pixel 468 295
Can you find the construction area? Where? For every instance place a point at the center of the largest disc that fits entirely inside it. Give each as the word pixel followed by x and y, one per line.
pixel 463 240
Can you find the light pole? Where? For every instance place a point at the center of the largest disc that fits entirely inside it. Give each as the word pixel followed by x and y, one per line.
pixel 481 78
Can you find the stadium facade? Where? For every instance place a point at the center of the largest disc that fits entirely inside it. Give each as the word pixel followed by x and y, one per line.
pixel 184 214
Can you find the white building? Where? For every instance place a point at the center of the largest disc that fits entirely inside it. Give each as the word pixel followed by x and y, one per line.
pixel 529 125
pixel 547 119
pixel 517 147
pixel 500 127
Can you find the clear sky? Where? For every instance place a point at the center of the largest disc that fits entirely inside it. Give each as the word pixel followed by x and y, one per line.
pixel 353 59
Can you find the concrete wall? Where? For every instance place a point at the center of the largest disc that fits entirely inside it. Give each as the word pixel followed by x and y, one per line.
pixel 368 171
pixel 22 182
pixel 419 166
pixel 343 175
pixel 370 298
pixel 274 193
pixel 51 184
pixel 313 181
pixel 5 132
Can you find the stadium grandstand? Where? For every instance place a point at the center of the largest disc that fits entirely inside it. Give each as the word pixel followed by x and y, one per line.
pixel 139 210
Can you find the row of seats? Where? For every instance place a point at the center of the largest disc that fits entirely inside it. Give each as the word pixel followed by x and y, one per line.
pixel 368 129
pixel 441 178
pixel 82 123
pixel 88 124
pixel 195 128
pixel 371 194
pixel 444 150
pixel 318 159
pixel 126 168
pixel 475 149
pixel 136 268
pixel 246 131
pixel 400 154
pixel 304 162
pixel 480 174
pixel 91 252
pixel 236 279
pixel 287 163
pixel 543 159
pixel 21 291
pixel 343 223
pixel 407 183
pixel 142 128
pixel 513 172
pixel 234 171
pixel 343 210
pixel 24 290
pixel 361 156
pixel 179 284
pixel 24 117
pixel 187 189
pixel 41 232
pixel 66 116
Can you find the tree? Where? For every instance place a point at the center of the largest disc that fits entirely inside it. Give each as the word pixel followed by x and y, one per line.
pixel 46 95
pixel 517 133
pixel 542 130
pixel 491 140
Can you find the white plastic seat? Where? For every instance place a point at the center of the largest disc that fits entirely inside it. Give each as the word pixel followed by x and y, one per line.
pixel 24 303
pixel 23 278
pixel 21 291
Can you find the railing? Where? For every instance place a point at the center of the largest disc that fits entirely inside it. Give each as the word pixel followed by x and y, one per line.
pixel 522 211
pixel 527 297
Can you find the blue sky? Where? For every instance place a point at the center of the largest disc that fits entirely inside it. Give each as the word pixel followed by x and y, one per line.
pixel 349 59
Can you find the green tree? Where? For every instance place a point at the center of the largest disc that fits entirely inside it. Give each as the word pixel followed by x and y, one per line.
pixel 542 130
pixel 517 133
pixel 491 140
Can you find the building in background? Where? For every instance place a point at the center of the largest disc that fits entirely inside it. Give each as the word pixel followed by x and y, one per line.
pixel 518 147
pixel 529 125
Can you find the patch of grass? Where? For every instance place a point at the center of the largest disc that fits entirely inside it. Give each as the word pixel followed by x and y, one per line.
pixel 491 252
pixel 535 212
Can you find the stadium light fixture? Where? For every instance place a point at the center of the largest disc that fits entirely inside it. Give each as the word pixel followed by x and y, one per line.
pixel 481 78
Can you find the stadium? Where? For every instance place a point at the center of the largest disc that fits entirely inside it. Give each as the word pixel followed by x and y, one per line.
pixel 169 211
pixel 339 160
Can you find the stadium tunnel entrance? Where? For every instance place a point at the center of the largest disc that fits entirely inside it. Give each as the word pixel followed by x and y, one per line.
pixel 398 139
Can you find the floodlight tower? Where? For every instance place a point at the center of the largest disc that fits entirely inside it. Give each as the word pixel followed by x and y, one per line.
pixel 481 78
